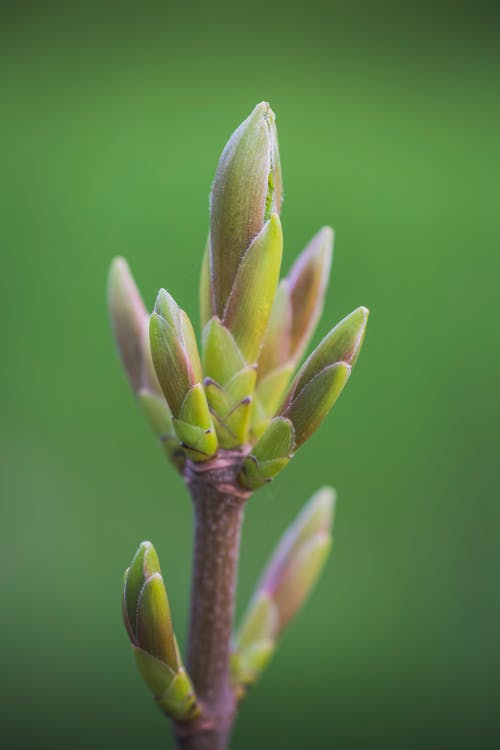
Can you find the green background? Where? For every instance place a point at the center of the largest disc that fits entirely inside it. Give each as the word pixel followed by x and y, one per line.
pixel 113 118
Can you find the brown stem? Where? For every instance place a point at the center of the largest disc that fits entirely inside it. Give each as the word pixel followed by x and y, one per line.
pixel 218 502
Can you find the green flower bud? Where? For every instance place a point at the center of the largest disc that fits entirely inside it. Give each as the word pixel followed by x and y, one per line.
pixel 146 610
pixel 342 344
pixel 287 581
pixel 322 377
pixel 246 191
pixel 130 322
pixel 174 350
pixel 307 410
pixel 178 368
pixel 147 618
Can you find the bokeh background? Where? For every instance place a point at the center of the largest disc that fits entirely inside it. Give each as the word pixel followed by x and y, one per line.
pixel 113 118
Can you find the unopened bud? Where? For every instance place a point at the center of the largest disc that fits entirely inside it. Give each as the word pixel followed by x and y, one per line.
pixel 146 610
pixel 177 364
pixel 128 319
pixel 297 305
pixel 287 581
pixel 147 618
pixel 247 190
pixel 322 377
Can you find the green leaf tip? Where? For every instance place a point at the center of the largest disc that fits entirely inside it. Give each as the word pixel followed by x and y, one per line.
pixel 154 624
pixel 249 305
pixel 144 565
pixel 310 406
pixel 342 344
pixel 147 618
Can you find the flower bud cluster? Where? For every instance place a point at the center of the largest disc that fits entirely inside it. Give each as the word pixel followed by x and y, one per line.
pixel 255 328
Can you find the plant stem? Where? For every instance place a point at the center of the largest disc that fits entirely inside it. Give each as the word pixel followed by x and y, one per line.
pixel 218 502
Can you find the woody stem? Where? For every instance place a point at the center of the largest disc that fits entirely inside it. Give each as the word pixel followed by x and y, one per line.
pixel 218 503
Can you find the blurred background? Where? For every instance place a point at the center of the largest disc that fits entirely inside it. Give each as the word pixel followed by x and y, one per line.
pixel 113 119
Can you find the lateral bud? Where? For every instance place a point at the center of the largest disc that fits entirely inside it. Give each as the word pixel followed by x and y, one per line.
pixel 178 368
pixel 130 322
pixel 312 394
pixel 297 307
pixel 322 377
pixel 147 619
pixel 285 584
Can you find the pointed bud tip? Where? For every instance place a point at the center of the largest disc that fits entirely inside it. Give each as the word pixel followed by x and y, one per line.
pixel 327 235
pixel 317 254
pixel 121 284
pixel 247 188
pixel 275 223
pixel 322 507
pixel 263 109
pixel 165 305
pixel 360 315
pixel 150 563
pixel 118 264
pixel 119 270
pixel 128 318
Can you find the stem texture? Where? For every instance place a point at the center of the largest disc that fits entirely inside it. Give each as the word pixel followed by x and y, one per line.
pixel 218 502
